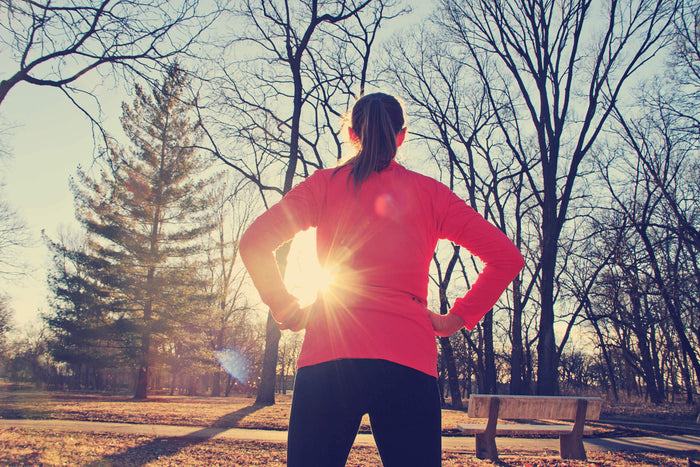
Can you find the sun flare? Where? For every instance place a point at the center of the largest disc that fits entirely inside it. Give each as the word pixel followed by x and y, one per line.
pixel 305 277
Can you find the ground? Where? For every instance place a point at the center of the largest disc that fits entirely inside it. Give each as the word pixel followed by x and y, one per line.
pixel 23 446
pixel 32 447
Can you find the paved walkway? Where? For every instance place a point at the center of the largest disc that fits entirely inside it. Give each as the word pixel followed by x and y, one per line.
pixel 677 443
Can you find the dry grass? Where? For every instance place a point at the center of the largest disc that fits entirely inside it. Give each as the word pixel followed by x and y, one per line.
pixel 224 412
pixel 42 447
pixel 643 411
pixel 236 411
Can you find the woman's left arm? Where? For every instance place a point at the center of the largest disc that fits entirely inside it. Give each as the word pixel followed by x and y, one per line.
pixel 502 260
pixel 445 325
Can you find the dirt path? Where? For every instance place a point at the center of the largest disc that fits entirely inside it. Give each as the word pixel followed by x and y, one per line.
pixel 661 443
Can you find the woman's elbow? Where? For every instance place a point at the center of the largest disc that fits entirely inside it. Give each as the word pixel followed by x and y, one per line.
pixel 246 247
pixel 512 262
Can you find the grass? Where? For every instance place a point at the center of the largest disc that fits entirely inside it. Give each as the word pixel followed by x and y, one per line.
pixel 240 411
pixel 225 412
pixel 643 412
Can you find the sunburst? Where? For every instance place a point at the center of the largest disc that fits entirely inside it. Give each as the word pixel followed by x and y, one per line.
pixel 305 277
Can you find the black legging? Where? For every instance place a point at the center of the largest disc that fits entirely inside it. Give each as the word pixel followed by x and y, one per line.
pixel 330 399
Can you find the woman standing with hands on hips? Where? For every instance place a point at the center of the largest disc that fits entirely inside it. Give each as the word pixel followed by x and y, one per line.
pixel 370 340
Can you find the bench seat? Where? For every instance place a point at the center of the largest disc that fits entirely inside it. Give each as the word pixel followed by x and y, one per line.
pixel 512 429
pixel 493 407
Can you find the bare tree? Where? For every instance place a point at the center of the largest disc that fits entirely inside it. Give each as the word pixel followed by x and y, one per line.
pixel 56 43
pixel 14 235
pixel 229 321
pixel 643 307
pixel 652 180
pixel 453 118
pixel 5 323
pixel 568 69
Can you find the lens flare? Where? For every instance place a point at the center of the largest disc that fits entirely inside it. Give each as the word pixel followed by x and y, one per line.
pixel 234 363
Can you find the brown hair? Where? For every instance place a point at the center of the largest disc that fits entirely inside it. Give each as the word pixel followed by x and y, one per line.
pixel 376 120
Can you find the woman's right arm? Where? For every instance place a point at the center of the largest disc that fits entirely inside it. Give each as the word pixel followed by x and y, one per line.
pixel 297 211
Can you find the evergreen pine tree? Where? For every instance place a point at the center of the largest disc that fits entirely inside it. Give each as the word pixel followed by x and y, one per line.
pixel 84 328
pixel 144 216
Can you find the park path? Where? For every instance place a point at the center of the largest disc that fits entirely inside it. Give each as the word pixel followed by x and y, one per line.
pixel 661 443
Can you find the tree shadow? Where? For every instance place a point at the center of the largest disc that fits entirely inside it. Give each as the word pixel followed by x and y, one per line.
pixel 232 419
pixel 170 445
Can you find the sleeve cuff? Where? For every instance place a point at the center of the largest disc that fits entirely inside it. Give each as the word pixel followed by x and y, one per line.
pixel 462 310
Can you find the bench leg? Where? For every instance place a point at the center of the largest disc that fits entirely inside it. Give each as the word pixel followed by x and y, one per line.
pixel 486 441
pixel 571 446
pixel 486 447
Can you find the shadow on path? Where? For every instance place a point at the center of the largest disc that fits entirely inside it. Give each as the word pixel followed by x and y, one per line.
pixel 662 443
pixel 168 446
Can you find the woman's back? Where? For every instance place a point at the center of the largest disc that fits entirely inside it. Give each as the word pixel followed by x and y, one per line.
pixel 386 232
pixel 378 241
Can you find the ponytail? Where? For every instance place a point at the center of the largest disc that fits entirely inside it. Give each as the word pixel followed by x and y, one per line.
pixel 376 119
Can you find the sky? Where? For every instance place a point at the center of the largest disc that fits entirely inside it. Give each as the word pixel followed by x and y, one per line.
pixel 47 138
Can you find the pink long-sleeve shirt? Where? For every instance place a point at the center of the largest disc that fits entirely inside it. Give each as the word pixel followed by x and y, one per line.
pixel 379 240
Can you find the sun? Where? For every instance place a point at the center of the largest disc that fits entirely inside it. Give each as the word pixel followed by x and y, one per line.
pixel 305 277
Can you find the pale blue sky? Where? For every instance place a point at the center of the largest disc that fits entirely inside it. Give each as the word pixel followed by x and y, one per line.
pixel 47 140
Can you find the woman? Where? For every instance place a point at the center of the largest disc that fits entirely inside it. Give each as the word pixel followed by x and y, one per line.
pixel 370 340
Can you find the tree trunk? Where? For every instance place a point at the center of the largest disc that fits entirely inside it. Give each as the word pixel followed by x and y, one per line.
pixel 141 390
pixel 529 369
pixel 266 390
pixel 441 386
pixel 268 379
pixel 547 377
pixel 229 385
pixel 490 383
pixel 216 384
pixel 480 367
pixel 517 358
pixel 452 379
pixel 657 368
pixel 606 357
pixel 654 392
pixel 687 381
pixel 640 328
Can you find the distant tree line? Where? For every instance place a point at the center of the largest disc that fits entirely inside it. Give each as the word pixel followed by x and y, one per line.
pixel 572 130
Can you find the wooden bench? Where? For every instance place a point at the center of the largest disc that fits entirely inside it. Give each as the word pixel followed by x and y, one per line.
pixel 493 407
